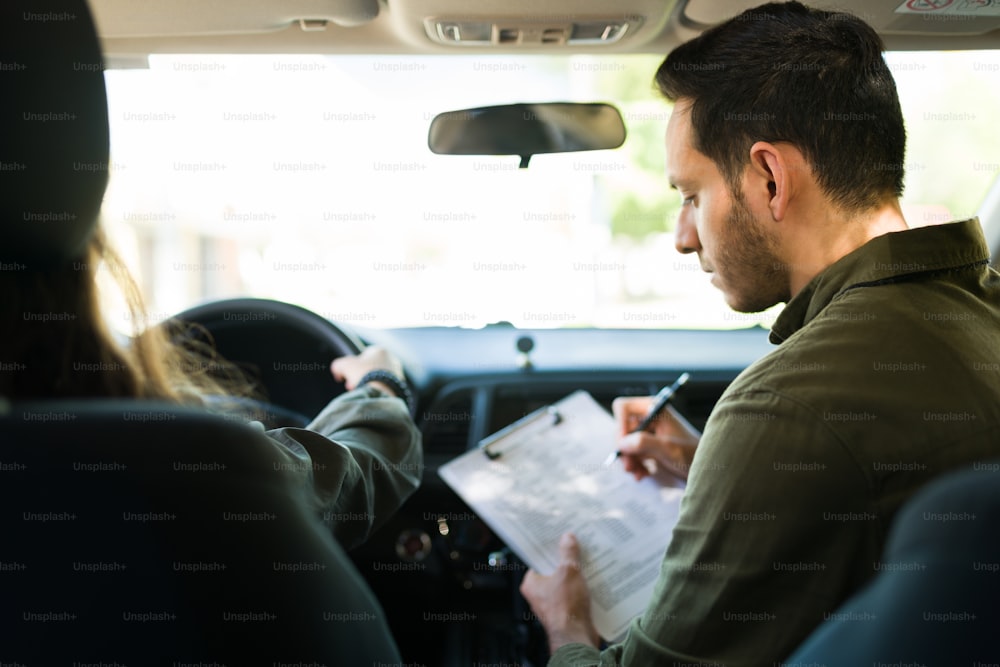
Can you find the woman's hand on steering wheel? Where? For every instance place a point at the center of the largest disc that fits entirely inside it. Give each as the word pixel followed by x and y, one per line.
pixel 351 368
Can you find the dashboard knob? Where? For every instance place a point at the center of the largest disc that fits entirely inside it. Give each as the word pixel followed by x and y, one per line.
pixel 498 559
pixel 413 545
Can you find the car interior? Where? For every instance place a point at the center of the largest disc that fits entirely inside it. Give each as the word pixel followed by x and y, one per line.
pixel 283 175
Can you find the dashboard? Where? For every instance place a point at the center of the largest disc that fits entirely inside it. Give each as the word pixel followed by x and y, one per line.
pixel 449 587
pixel 447 584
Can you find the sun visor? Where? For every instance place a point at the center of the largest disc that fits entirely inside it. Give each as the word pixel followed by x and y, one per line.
pixel 894 19
pixel 127 18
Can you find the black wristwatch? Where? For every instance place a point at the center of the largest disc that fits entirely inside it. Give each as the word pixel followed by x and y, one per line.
pixel 394 382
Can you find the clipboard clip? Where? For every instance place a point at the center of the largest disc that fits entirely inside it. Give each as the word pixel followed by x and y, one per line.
pixel 550 412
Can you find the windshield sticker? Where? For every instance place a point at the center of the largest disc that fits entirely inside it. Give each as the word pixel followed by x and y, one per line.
pixel 951 7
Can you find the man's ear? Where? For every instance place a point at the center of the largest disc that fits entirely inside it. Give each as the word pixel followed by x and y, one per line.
pixel 769 179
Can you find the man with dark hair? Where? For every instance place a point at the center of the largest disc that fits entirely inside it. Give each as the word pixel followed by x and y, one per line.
pixel 786 142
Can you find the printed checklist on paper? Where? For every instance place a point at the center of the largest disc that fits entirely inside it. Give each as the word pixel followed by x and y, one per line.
pixel 545 475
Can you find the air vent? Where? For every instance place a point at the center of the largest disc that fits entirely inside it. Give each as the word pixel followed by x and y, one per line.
pixel 446 425
pixel 514 32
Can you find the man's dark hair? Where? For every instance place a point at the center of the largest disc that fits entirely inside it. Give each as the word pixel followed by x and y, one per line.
pixel 785 72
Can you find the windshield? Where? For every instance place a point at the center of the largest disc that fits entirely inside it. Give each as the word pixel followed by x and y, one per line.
pixel 308 179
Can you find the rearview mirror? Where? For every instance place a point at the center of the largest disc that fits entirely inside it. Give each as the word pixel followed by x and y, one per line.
pixel 527 129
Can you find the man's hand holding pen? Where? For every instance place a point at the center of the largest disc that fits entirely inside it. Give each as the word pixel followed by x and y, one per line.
pixel 655 440
pixel 664 451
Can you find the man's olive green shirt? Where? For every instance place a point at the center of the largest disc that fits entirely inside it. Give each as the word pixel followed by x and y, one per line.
pixel 886 374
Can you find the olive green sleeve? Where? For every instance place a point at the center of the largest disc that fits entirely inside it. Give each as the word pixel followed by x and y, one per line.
pixel 361 457
pixel 762 547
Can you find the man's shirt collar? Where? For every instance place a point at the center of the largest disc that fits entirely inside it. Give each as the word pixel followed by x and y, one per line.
pixel 889 258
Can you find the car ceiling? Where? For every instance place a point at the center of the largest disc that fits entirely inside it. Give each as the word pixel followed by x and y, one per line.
pixel 132 28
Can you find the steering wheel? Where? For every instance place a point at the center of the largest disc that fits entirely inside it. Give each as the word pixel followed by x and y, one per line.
pixel 286 348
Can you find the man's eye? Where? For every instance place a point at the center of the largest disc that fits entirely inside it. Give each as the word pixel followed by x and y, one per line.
pixel 687 200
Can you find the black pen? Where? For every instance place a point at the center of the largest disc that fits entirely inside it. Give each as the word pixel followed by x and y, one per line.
pixel 662 399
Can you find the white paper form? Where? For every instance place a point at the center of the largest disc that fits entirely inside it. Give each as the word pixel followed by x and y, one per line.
pixel 548 478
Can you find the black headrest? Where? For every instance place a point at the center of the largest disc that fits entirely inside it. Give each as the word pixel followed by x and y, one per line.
pixel 53 130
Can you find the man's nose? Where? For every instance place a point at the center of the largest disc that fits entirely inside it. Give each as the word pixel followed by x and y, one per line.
pixel 686 236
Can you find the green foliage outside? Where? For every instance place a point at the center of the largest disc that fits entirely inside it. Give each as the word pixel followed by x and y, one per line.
pixel 641 202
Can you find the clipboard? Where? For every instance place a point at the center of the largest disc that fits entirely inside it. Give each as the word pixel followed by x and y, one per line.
pixel 490 446
pixel 545 475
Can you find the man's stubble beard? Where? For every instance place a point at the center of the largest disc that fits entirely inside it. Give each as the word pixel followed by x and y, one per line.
pixel 753 277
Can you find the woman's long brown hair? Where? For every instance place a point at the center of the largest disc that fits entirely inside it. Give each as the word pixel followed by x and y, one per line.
pixel 55 342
